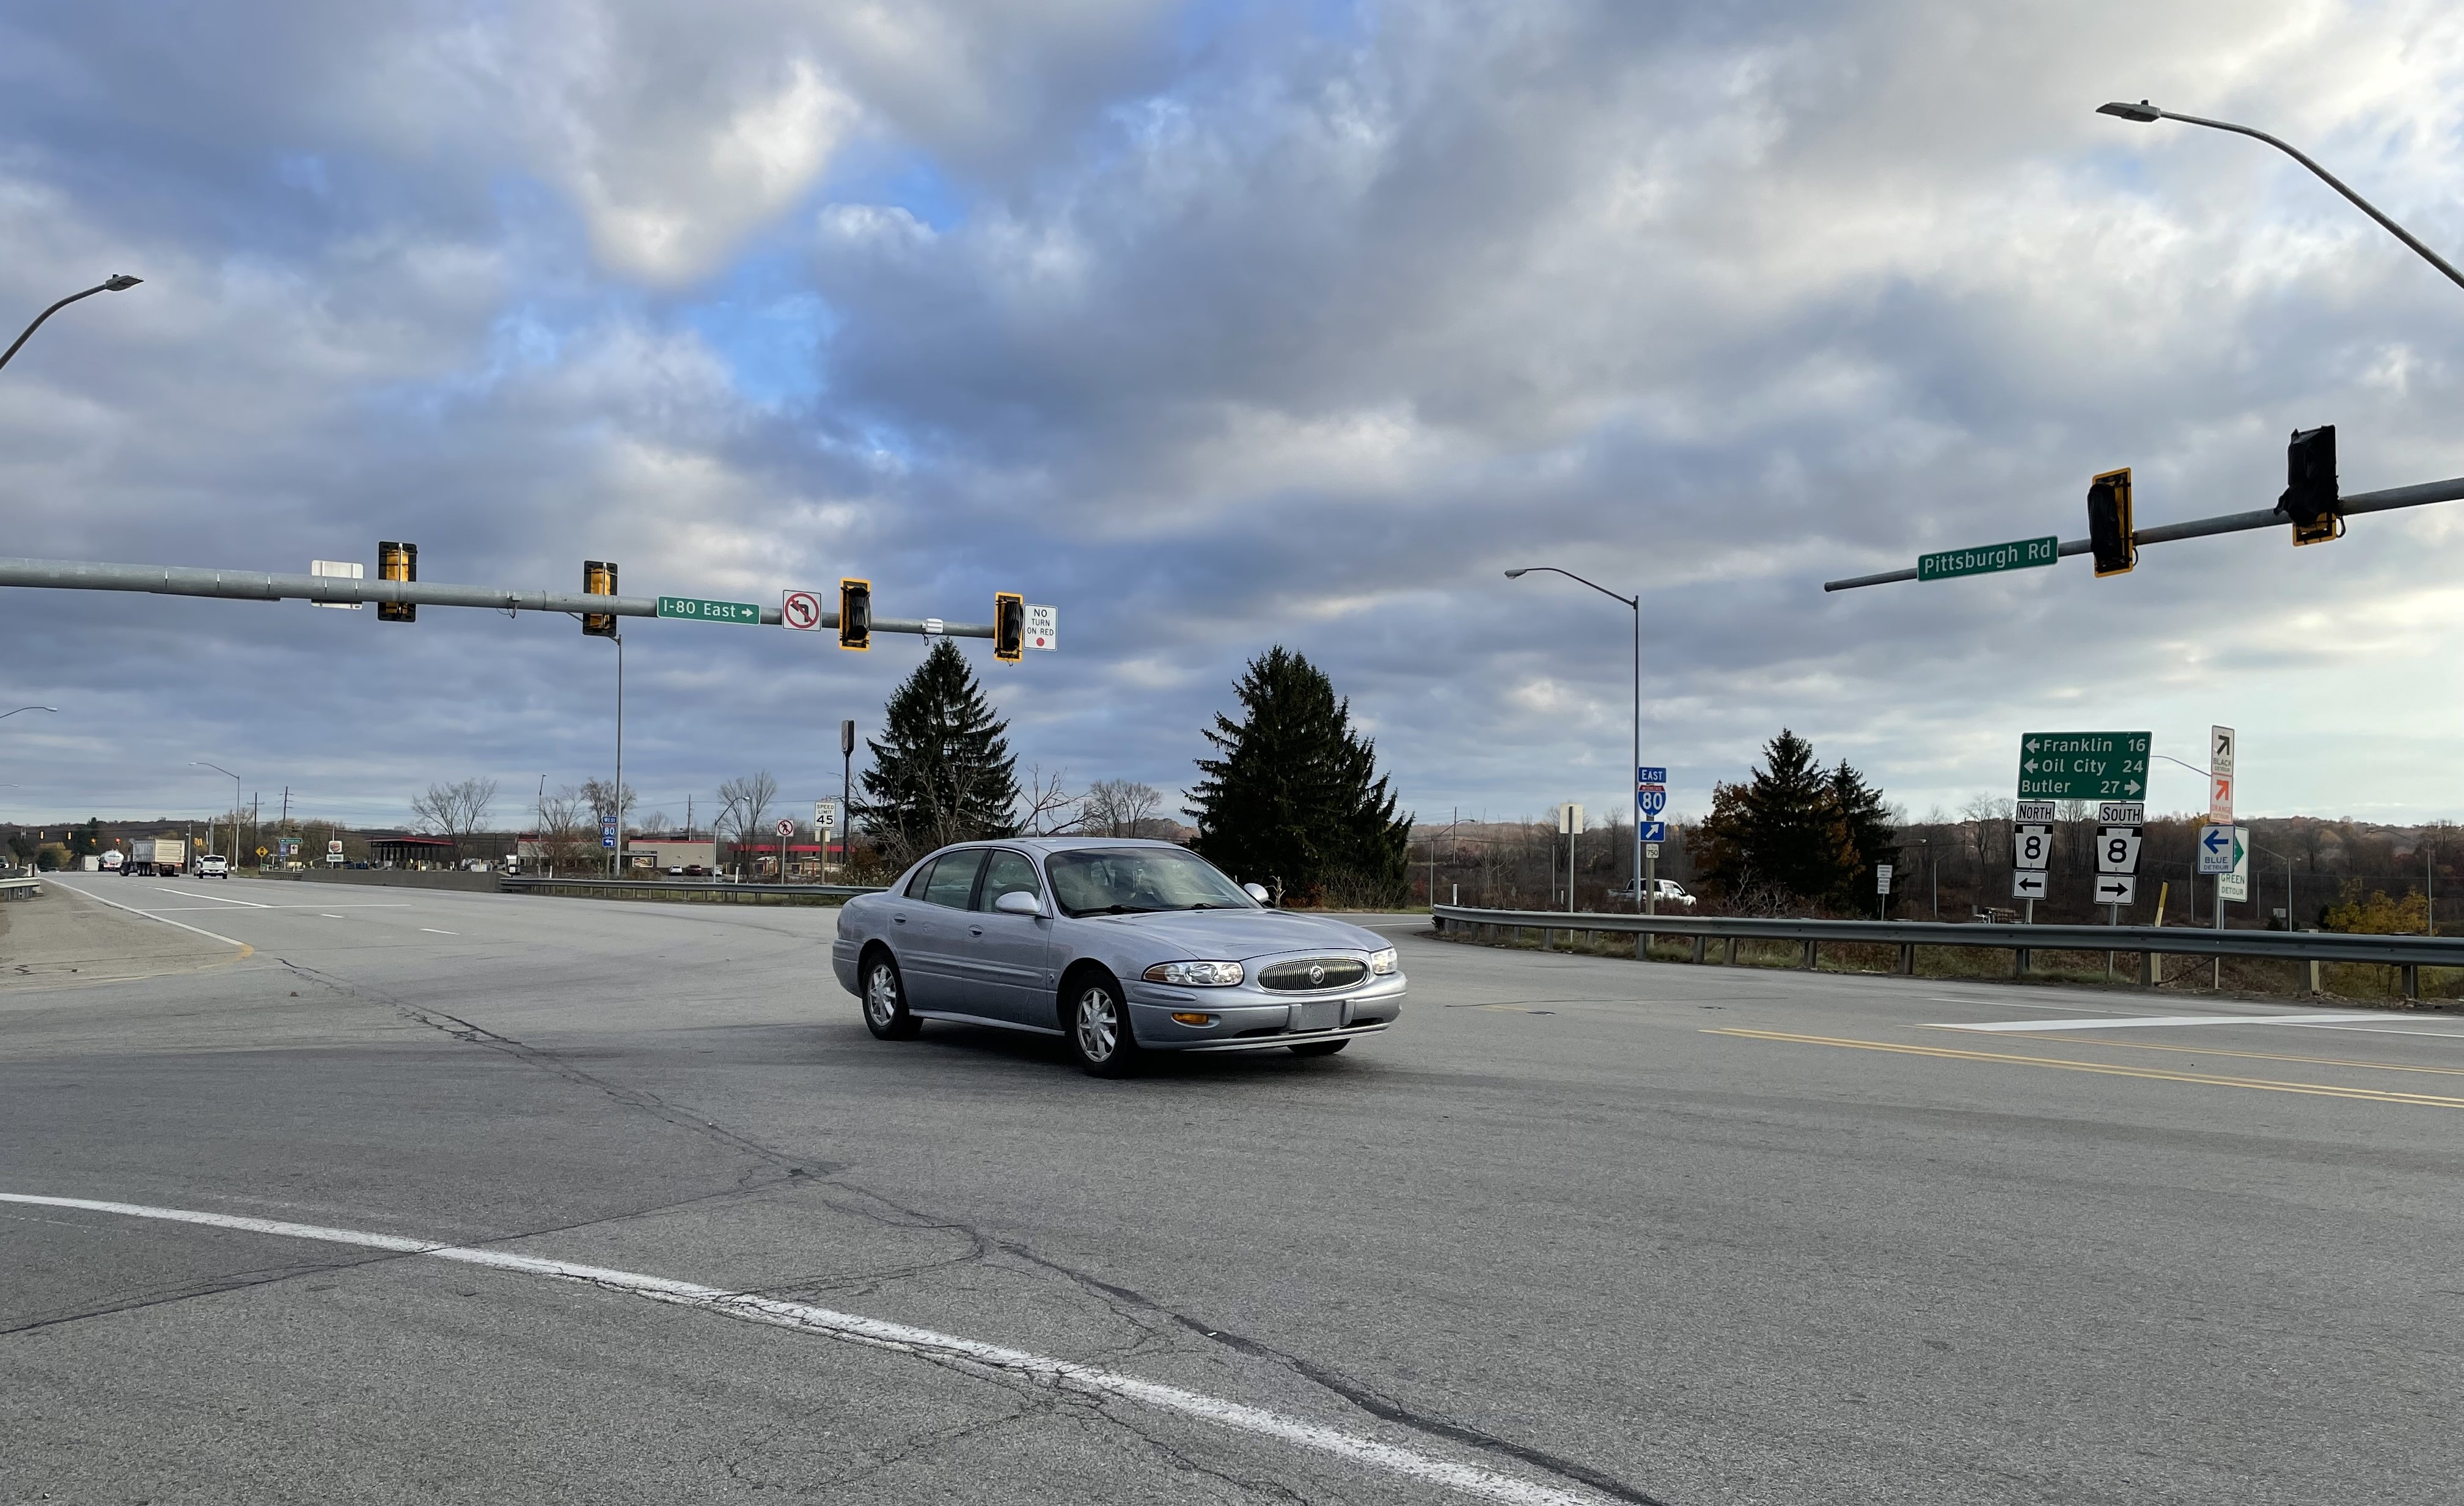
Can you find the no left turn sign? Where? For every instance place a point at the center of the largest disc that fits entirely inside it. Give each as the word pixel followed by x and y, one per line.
pixel 801 611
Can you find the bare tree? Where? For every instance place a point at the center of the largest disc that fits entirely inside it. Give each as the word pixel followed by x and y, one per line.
pixel 742 804
pixel 600 793
pixel 567 829
pixel 1121 807
pixel 457 810
pixel 1045 808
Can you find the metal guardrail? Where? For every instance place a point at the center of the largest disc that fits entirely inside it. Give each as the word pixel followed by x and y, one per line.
pixel 21 886
pixel 690 888
pixel 2408 952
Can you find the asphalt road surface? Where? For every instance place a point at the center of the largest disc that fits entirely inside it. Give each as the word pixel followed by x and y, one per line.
pixel 360 1195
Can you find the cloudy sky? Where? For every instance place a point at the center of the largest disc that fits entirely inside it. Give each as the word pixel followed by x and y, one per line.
pixel 1221 325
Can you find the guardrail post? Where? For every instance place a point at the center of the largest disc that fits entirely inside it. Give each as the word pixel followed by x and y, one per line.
pixel 2411 982
pixel 2019 963
pixel 1808 964
pixel 2314 989
pixel 1643 946
pixel 1907 958
pixel 1698 948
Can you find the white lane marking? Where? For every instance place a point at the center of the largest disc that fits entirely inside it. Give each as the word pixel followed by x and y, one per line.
pixel 2010 1003
pixel 2387 1029
pixel 434 931
pixel 1468 1478
pixel 164 889
pixel 2154 1021
pixel 188 909
pixel 328 915
pixel 183 925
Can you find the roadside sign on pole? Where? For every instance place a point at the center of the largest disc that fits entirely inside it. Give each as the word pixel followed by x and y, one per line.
pixel 2117 849
pixel 2026 885
pixel 695 609
pixel 2216 845
pixel 2235 885
pixel 801 611
pixel 2220 799
pixel 2084 766
pixel 2020 554
pixel 825 815
pixel 2032 848
pixel 1882 878
pixel 607 832
pixel 1043 626
pixel 1570 819
pixel 786 827
pixel 1654 832
pixel 2119 813
pixel 2220 750
pixel 339 571
pixel 1653 798
pixel 2033 810
pixel 1651 777
pixel 2117 889
pixel 1651 848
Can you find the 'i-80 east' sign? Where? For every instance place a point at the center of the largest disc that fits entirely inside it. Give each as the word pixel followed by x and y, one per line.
pixel 2084 766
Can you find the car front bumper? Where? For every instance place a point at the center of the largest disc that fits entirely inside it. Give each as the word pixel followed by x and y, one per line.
pixel 1252 1019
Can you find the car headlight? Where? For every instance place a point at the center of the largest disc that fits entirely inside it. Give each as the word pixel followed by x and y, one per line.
pixel 1196 975
pixel 1382 962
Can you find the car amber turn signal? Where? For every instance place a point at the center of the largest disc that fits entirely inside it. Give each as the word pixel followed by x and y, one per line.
pixel 1193 1019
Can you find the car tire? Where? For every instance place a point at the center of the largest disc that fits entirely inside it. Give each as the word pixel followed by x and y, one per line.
pixel 885 1000
pixel 1097 1027
pixel 1318 1047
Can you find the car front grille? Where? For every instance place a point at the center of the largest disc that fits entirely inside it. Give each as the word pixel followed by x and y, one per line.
pixel 1330 972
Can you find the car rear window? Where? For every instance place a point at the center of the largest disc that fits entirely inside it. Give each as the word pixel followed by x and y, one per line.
pixel 954 878
pixel 1008 873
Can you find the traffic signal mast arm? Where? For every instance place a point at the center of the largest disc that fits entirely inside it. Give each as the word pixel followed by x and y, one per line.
pixel 181 580
pixel 2388 501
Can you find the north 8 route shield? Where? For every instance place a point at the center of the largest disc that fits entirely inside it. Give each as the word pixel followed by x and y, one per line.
pixel 2031 848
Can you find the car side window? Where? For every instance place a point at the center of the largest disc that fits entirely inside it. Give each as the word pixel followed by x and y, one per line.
pixel 1008 873
pixel 915 885
pixel 954 878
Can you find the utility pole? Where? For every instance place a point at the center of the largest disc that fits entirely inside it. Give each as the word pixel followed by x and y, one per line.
pixel 847 791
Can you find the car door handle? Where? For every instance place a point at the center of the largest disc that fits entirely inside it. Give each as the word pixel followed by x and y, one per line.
pixel 974 930
pixel 898 919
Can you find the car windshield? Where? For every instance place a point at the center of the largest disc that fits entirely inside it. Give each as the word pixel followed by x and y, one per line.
pixel 1136 880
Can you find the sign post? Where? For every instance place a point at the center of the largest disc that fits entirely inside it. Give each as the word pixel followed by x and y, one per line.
pixel 1881 890
pixel 826 820
pixel 1650 799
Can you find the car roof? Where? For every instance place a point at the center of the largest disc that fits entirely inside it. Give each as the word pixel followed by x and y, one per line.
pixel 1048 845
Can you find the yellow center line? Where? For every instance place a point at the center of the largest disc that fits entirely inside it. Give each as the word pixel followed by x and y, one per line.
pixel 2316 1061
pixel 2105 1069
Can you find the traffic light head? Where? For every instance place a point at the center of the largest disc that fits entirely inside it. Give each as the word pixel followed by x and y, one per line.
pixel 1009 626
pixel 598 579
pixel 397 562
pixel 2108 522
pixel 2310 498
pixel 855 614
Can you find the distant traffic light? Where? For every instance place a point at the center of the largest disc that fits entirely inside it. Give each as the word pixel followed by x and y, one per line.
pixel 2108 522
pixel 855 614
pixel 1009 626
pixel 598 579
pixel 397 562
pixel 2309 497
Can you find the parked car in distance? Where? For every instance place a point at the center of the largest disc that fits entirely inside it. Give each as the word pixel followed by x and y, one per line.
pixel 1667 893
pixel 213 865
pixel 1119 946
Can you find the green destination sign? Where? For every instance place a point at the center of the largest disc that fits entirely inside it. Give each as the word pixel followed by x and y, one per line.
pixel 696 610
pixel 2084 766
pixel 2020 554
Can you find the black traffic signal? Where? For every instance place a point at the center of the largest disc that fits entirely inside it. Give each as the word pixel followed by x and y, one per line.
pixel 1009 626
pixel 598 579
pixel 2108 522
pixel 397 562
pixel 855 614
pixel 2309 497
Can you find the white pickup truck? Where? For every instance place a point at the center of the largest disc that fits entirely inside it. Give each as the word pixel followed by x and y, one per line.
pixel 213 865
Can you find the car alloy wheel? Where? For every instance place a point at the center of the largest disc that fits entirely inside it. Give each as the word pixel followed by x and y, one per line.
pixel 1099 1029
pixel 885 1002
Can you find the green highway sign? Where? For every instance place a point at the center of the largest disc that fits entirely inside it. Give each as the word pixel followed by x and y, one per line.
pixel 2020 554
pixel 696 610
pixel 2084 766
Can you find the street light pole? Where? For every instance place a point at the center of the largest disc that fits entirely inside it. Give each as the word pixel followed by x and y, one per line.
pixel 4 714
pixel 116 284
pixel 1634 767
pixel 235 779
pixel 2144 114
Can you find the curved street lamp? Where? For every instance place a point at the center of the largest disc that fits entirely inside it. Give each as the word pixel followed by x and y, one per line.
pixel 4 714
pixel 236 802
pixel 117 284
pixel 2144 114
pixel 1641 902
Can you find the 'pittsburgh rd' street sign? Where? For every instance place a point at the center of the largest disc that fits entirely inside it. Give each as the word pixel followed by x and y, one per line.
pixel 2019 554
pixel 2084 766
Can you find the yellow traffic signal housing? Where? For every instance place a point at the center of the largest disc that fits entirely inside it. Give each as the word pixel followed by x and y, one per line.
pixel 2310 500
pixel 855 613
pixel 397 562
pixel 598 579
pixel 2108 522
pixel 1009 626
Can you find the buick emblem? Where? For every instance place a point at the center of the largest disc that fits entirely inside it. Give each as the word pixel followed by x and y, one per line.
pixel 1317 974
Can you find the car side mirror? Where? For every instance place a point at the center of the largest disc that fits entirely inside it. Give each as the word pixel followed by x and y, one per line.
pixel 1258 892
pixel 1018 901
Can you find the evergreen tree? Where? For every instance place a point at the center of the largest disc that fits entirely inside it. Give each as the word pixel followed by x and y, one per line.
pixel 1296 797
pixel 1871 840
pixel 942 771
pixel 1783 831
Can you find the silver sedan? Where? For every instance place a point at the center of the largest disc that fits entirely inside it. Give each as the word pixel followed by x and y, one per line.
pixel 1119 946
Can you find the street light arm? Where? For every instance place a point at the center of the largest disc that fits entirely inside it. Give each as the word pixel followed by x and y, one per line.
pixel 5 715
pixel 1634 602
pixel 112 284
pixel 2143 111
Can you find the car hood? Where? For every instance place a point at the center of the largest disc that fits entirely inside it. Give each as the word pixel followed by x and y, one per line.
pixel 1234 935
